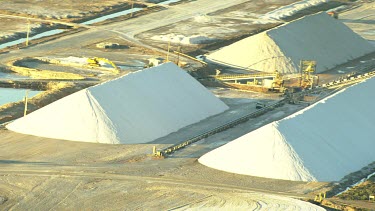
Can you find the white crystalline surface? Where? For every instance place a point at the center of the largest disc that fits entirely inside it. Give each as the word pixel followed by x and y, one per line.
pixel 324 142
pixel 73 59
pixel 186 40
pixel 292 9
pixel 136 108
pixel 316 37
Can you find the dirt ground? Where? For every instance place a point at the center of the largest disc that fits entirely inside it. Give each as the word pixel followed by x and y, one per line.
pixel 38 173
pixel 229 24
pixel 10 27
pixel 136 59
pixel 55 91
pixel 41 173
pixel 125 31
pixel 13 13
pixel 361 20
pixel 57 9
pixel 217 26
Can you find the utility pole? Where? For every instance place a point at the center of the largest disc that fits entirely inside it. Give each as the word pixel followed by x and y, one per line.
pixel 178 55
pixel 300 66
pixel 28 32
pixel 169 46
pixel 131 14
pixel 26 98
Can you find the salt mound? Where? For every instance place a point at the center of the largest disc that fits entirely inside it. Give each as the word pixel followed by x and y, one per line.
pixel 316 37
pixel 135 108
pixel 181 39
pixel 73 59
pixel 323 142
pixel 203 19
pixel 292 9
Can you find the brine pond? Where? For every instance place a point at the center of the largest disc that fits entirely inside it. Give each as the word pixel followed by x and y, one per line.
pixel 9 95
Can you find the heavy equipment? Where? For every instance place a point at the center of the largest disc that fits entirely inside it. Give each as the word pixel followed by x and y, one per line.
pixel 96 62
pixel 271 81
pixel 260 105
pixel 307 69
pixel 333 14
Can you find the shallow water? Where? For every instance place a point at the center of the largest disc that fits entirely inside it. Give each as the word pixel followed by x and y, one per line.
pixel 9 95
pixel 96 20
pixel 169 2
pixel 10 76
pixel 37 36
pixel 114 15
pixel 125 12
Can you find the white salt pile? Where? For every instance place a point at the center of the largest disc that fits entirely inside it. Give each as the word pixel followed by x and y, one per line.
pixel 135 108
pixel 203 18
pixel 73 59
pixel 292 9
pixel 323 142
pixel 316 37
pixel 181 39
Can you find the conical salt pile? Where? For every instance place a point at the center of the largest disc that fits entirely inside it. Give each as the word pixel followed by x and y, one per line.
pixel 316 37
pixel 324 142
pixel 136 108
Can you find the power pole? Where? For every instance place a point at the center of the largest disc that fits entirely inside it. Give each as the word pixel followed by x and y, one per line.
pixel 26 98
pixel 131 14
pixel 300 66
pixel 169 46
pixel 28 32
pixel 178 55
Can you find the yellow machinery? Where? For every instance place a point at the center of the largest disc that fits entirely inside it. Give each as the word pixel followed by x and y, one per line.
pixel 278 82
pixel 307 70
pixel 272 81
pixel 244 76
pixel 95 62
pixel 319 197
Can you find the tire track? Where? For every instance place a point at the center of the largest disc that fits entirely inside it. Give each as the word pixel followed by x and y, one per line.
pixel 25 197
pixel 113 176
pixel 69 194
pixel 47 194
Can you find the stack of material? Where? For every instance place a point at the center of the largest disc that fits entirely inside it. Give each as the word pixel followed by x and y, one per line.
pixel 316 37
pixel 136 108
pixel 323 142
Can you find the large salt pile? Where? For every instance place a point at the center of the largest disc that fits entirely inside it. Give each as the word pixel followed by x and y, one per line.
pixel 323 142
pixel 316 37
pixel 292 9
pixel 135 108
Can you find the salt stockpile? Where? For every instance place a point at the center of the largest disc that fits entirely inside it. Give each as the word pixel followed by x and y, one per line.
pixel 186 40
pixel 324 142
pixel 292 9
pixel 135 108
pixel 316 37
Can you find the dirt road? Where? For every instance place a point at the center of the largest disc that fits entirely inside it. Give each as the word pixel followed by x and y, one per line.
pixel 45 174
pixel 38 173
pixel 145 185
pixel 44 20
pixel 95 193
pixel 126 28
